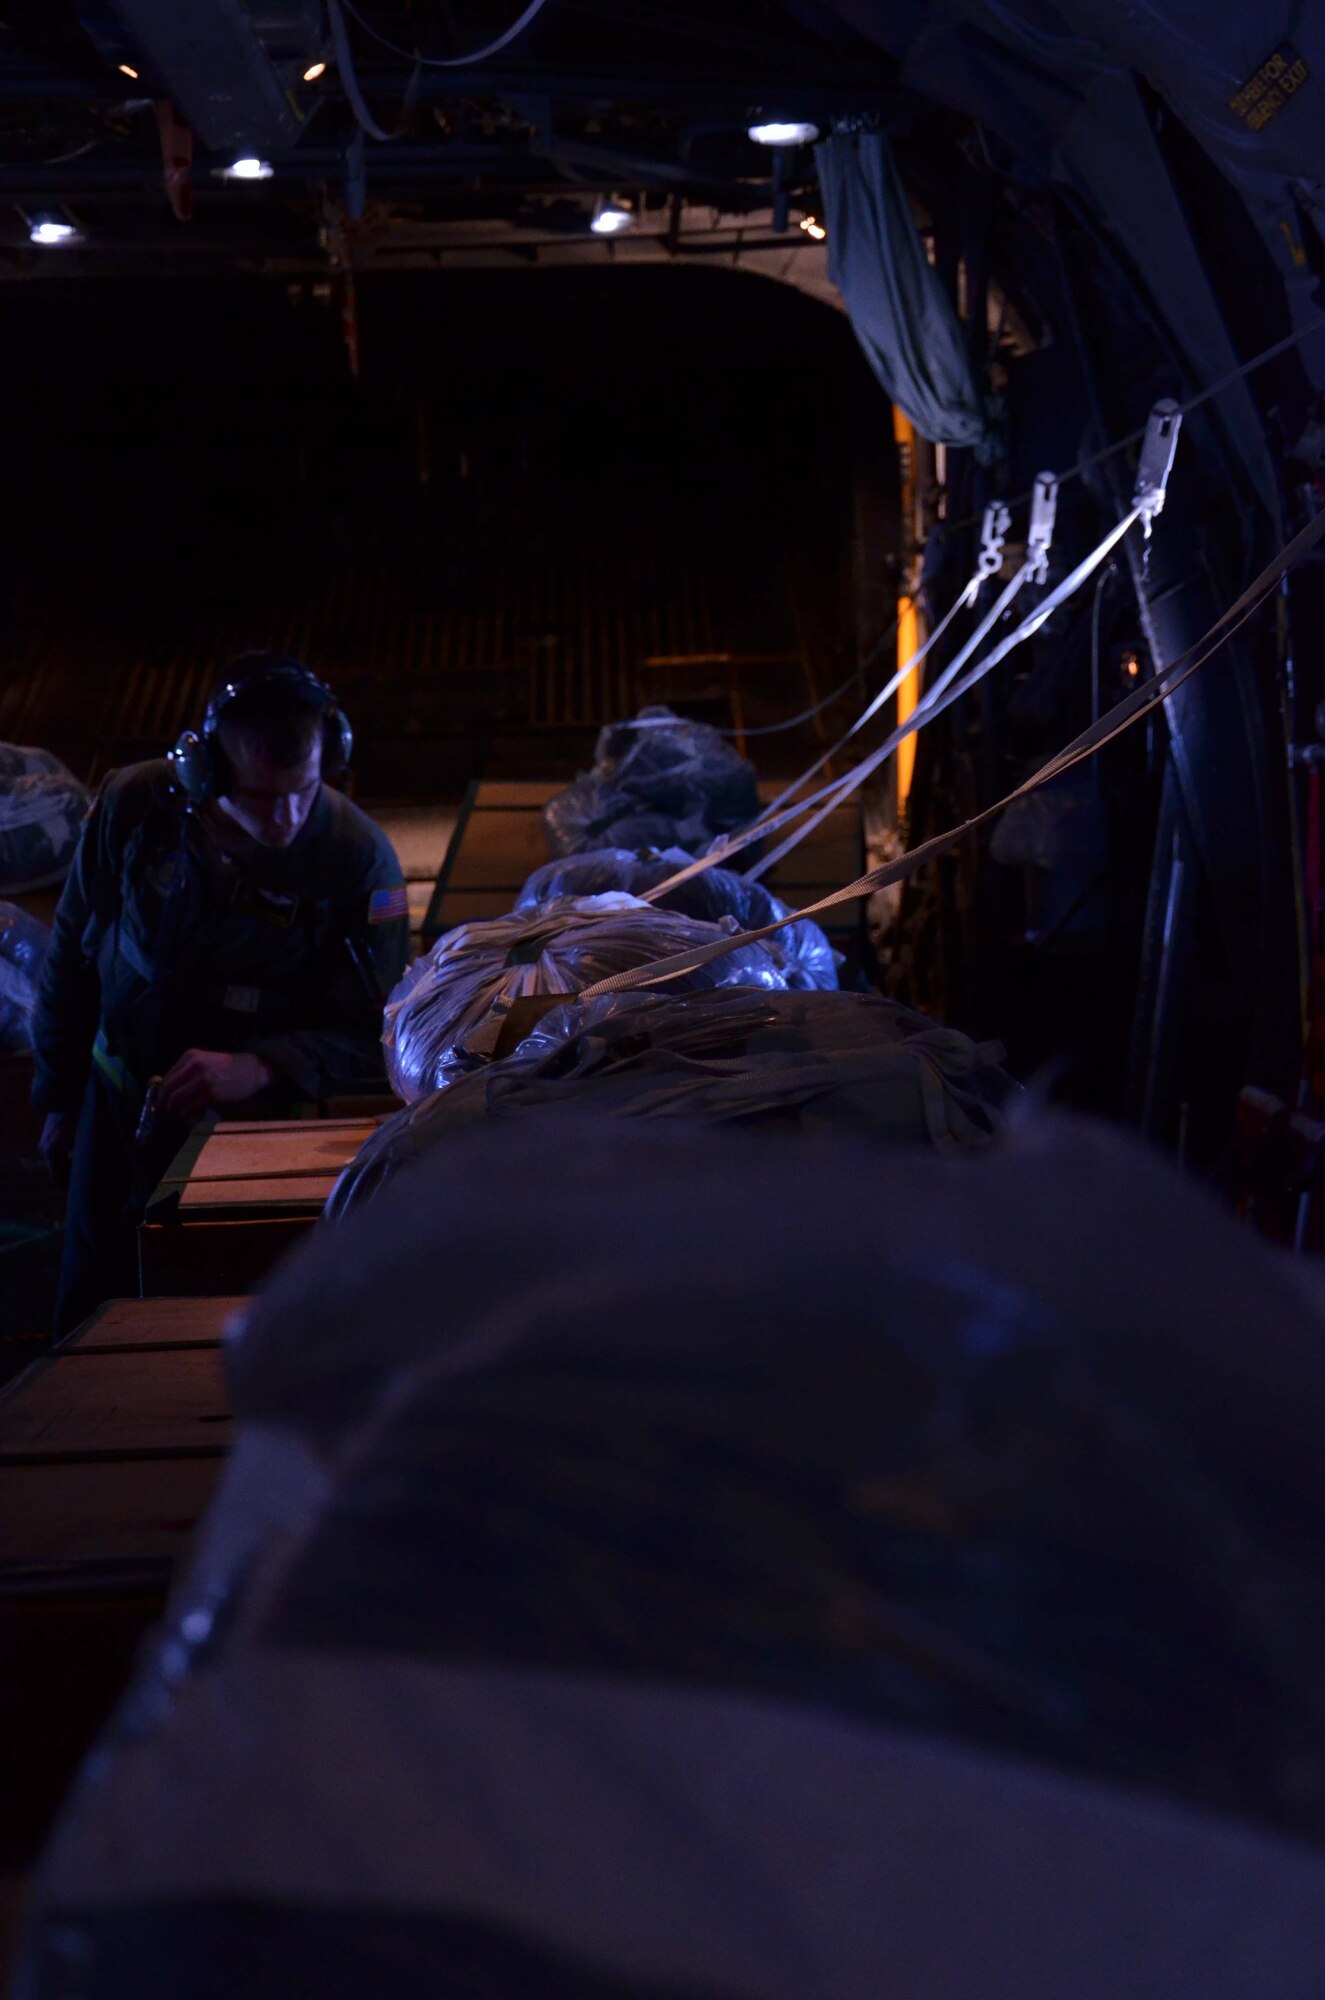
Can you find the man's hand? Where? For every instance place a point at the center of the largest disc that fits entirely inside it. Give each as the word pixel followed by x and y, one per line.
pixel 203 1077
pixel 56 1144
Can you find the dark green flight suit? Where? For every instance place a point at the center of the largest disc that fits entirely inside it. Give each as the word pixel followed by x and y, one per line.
pixel 288 955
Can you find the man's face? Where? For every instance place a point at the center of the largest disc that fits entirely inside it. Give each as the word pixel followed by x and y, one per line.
pixel 270 805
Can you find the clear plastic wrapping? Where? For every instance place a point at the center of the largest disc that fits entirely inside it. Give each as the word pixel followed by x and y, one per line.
pixel 23 946
pixel 844 1060
pixel 42 809
pixel 804 952
pixel 445 1017
pixel 657 781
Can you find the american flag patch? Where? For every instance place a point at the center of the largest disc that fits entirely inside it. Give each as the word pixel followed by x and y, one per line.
pixel 386 905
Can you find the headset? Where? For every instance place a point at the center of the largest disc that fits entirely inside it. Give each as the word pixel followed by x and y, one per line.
pixel 198 764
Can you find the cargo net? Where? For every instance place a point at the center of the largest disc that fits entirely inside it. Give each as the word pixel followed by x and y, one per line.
pixel 659 781
pixel 448 1014
pixel 803 952
pixel 798 1060
pixel 42 809
pixel 23 946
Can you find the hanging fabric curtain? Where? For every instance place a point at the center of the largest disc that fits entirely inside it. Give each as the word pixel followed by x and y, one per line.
pixel 912 338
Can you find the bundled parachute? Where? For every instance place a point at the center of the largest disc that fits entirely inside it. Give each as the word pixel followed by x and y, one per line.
pixel 448 1013
pixel 23 946
pixel 850 1061
pixel 845 1548
pixel 659 781
pixel 804 952
pixel 42 809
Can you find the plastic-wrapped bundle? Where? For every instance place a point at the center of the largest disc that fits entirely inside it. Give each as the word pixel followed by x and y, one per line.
pixel 22 760
pixel 446 1015
pixel 859 1532
pixel 42 809
pixel 811 1059
pixel 23 946
pixel 804 952
pixel 656 782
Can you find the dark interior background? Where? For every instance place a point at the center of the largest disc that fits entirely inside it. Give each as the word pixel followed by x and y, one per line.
pixel 537 480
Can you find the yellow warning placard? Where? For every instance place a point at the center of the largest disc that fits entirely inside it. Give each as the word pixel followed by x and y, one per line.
pixel 1264 95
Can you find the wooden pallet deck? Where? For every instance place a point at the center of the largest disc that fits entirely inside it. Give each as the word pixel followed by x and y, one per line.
pixel 237 1196
pixel 499 841
pixel 110 1446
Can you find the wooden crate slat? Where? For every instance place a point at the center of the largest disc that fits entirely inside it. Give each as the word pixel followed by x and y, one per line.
pixel 313 1144
pixel 139 1509
pixel 119 1403
pixel 154 1323
pixel 253 1190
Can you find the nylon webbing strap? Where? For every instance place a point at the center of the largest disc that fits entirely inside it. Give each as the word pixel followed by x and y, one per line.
pixel 772 817
pixel 940 697
pixel 944 693
pixel 1131 710
pixel 997 521
pixel 840 789
pixel 767 818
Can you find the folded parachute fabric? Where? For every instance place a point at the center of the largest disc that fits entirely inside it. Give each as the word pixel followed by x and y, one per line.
pixel 803 951
pixel 23 946
pixel 42 809
pixel 849 1061
pixel 446 1016
pixel 658 781
pixel 748 1568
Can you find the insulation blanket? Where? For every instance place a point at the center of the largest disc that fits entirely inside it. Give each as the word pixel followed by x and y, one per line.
pixel 802 950
pixel 846 1060
pixel 445 1017
pixel 23 946
pixel 769 1567
pixel 42 809
pixel 659 781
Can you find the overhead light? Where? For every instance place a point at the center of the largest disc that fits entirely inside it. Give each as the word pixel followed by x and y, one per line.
pixel 813 227
pixel 247 168
pixel 49 230
pixel 314 71
pixel 127 69
pixel 784 132
pixel 611 217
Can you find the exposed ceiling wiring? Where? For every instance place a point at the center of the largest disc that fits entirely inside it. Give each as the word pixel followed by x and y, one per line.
pixel 349 78
pixel 493 48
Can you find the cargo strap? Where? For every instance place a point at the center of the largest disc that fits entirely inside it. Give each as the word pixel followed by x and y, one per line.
pixel 1129 711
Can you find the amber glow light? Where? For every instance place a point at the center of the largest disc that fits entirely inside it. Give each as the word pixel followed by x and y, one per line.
pixel 908 616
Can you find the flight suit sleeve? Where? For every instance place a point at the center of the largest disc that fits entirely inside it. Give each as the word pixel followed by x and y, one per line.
pixel 343 1045
pixel 68 1006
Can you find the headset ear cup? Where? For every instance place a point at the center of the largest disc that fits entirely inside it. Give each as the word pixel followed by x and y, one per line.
pixel 338 743
pixel 193 767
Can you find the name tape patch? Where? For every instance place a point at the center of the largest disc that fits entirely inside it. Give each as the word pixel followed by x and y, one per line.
pixel 1266 92
pixel 386 905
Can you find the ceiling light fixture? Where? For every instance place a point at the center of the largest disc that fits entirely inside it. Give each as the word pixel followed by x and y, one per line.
pixel 314 71
pixel 247 168
pixel 611 217
pixel 813 227
pixel 784 132
pixel 127 69
pixel 49 230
